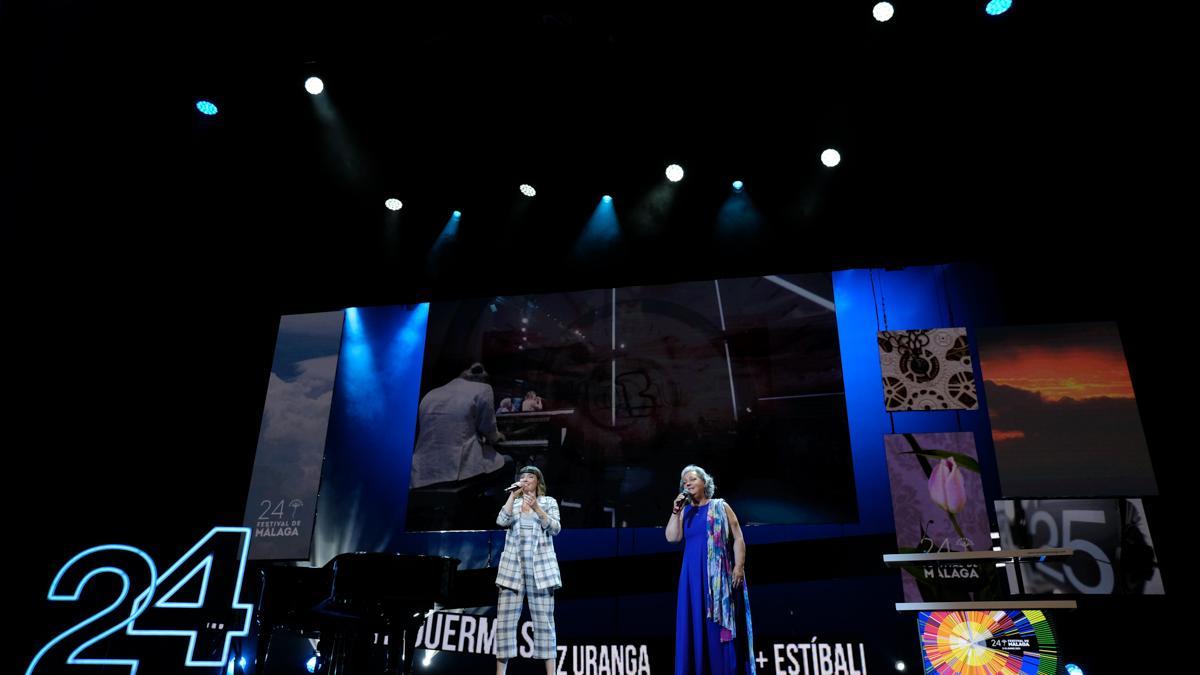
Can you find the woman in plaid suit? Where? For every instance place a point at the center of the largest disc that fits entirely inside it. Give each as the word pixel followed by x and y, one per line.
pixel 528 568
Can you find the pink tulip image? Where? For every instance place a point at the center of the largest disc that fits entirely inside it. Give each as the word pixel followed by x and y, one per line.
pixel 946 487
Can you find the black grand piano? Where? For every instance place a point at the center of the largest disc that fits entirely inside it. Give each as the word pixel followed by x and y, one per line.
pixel 358 596
pixel 366 608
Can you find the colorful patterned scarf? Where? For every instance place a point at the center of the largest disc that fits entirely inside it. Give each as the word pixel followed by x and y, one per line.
pixel 719 604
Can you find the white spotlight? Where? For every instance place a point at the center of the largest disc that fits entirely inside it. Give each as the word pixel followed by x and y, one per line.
pixel 528 190
pixel 674 173
pixel 314 85
pixel 394 204
pixel 883 11
pixel 831 158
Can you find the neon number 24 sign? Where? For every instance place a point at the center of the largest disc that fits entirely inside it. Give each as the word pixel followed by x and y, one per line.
pixel 146 604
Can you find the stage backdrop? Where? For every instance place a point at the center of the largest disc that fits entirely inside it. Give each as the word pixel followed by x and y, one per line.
pixel 819 591
pixel 613 391
pixel 291 440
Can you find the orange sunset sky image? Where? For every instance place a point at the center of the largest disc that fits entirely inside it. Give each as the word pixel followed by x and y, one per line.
pixel 1074 372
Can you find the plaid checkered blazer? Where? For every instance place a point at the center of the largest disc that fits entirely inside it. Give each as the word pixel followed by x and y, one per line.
pixel 545 569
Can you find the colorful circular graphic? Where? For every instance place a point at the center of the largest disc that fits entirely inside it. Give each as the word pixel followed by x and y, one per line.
pixel 995 642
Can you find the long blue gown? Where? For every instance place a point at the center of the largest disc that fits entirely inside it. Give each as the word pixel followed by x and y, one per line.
pixel 698 646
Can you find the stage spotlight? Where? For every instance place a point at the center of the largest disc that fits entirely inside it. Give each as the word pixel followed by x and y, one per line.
pixel 998 7
pixel 674 173
pixel 1073 669
pixel 394 204
pixel 311 665
pixel 314 85
pixel 206 107
pixel 449 232
pixel 353 320
pixel 900 667
pixel 831 158
pixel 883 11
pixel 527 190
pixel 601 230
pixel 738 217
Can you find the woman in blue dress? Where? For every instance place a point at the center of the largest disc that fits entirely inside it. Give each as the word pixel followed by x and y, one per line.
pixel 713 633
